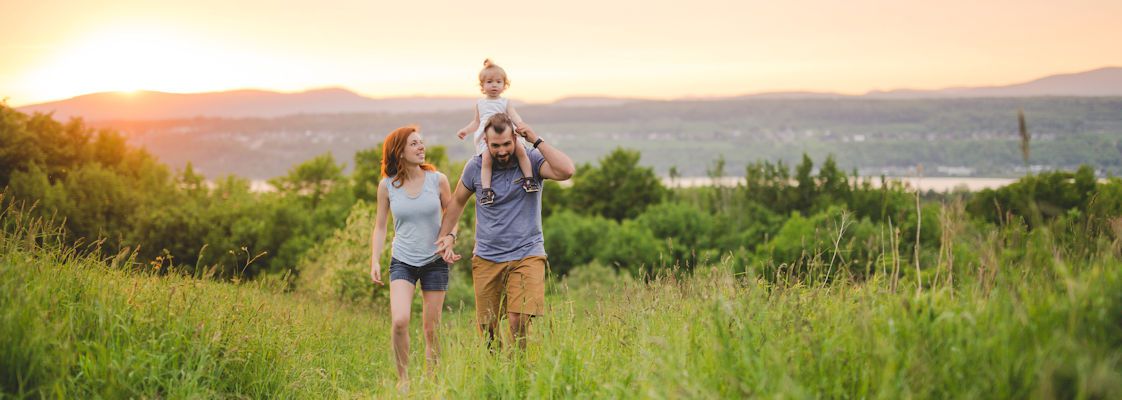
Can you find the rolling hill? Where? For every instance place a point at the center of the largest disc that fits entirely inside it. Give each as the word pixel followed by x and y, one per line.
pixel 147 105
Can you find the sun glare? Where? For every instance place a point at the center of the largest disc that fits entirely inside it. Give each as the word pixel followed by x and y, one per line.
pixel 129 59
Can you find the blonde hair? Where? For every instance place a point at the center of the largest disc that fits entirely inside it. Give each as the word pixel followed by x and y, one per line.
pixel 489 67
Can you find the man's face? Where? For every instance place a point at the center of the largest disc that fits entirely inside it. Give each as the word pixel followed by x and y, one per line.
pixel 501 146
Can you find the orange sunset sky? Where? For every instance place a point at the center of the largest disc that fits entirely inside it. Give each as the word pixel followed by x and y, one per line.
pixel 656 49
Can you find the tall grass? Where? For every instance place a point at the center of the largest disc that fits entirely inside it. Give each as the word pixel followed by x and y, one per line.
pixel 1021 322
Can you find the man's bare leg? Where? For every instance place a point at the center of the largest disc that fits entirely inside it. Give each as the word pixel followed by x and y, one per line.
pixel 519 328
pixel 490 333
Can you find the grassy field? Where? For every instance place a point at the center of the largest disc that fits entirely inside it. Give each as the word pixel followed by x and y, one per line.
pixel 96 326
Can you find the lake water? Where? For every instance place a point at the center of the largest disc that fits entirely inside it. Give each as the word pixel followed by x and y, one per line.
pixel 938 184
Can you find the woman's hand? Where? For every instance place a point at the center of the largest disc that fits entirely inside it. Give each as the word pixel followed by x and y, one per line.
pixel 444 249
pixel 376 271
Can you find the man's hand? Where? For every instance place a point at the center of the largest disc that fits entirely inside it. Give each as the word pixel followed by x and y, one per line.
pixel 526 132
pixel 376 271
pixel 462 134
pixel 444 249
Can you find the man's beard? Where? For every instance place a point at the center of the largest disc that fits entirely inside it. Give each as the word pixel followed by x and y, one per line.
pixel 500 163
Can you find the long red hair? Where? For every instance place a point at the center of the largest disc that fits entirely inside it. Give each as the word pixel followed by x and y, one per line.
pixel 393 149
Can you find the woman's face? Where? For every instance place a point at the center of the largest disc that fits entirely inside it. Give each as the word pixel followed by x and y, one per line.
pixel 414 149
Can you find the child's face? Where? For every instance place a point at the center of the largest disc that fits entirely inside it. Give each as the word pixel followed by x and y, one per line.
pixel 493 85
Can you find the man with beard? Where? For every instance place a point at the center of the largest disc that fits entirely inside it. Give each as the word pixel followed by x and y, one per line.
pixel 509 263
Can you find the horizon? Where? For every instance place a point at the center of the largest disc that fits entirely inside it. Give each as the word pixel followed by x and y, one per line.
pixel 718 49
pixel 542 102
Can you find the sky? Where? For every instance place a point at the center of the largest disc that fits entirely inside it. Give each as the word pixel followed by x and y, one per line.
pixel 53 49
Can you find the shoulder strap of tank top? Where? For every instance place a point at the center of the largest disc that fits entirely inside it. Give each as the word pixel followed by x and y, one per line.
pixel 432 179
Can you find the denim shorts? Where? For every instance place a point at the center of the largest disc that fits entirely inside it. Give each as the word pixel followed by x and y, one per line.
pixel 433 276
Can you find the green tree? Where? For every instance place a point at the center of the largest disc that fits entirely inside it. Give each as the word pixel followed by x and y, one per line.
pixel 572 240
pixel 1037 199
pixel 821 244
pixel 618 189
pixel 683 229
pixel 311 180
pixel 807 188
pixel 367 174
pixel 718 194
pixel 556 201
pixel 769 185
pixel 632 247
pixel 833 185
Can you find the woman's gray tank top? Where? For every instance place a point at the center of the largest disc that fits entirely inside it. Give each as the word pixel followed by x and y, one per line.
pixel 416 221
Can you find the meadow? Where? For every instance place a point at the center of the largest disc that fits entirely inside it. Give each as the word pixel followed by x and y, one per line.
pixel 1025 322
pixel 124 279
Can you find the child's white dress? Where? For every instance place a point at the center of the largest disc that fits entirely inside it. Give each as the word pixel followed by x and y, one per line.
pixel 487 108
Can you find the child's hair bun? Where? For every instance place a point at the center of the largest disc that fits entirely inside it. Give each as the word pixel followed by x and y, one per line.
pixel 487 63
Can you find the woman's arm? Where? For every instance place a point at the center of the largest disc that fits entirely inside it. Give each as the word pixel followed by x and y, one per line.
pixel 378 239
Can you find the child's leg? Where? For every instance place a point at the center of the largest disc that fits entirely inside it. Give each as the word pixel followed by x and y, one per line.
pixel 485 170
pixel 523 160
pixel 528 183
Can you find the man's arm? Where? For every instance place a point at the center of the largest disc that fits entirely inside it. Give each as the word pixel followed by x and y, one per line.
pixel 452 213
pixel 557 166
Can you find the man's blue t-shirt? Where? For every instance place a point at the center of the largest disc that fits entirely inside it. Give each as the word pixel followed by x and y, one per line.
pixel 510 228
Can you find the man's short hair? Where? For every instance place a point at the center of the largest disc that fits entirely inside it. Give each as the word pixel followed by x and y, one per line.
pixel 499 122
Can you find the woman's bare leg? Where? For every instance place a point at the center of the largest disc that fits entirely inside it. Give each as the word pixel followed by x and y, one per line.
pixel 433 305
pixel 401 301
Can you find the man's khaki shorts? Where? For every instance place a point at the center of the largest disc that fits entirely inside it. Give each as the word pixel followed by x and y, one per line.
pixel 513 286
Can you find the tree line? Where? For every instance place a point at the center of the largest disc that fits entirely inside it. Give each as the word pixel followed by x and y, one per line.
pixel 782 220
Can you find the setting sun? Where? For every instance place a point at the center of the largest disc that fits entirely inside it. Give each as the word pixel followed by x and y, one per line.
pixel 713 48
pixel 122 59
pixel 131 58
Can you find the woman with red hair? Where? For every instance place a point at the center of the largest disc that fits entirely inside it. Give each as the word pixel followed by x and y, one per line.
pixel 417 195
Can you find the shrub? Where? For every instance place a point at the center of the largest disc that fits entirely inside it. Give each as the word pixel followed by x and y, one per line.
pixel 631 247
pixel 684 230
pixel 833 240
pixel 571 239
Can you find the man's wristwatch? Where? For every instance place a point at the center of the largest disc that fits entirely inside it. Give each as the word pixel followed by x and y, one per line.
pixel 453 235
pixel 538 142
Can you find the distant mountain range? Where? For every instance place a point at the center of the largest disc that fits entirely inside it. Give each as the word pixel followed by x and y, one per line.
pixel 147 105
pixel 1099 82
